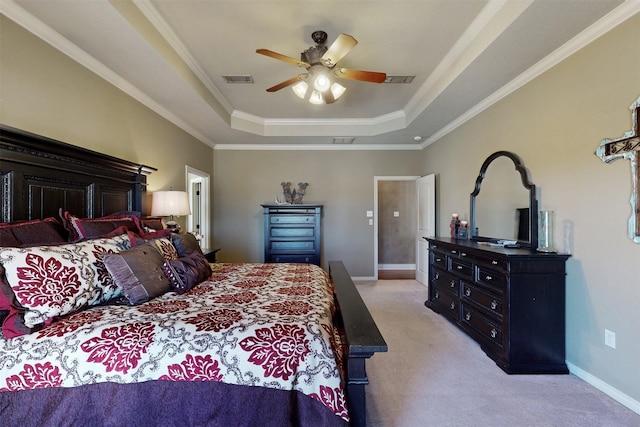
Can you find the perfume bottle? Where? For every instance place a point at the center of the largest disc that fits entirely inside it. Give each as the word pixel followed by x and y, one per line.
pixel 454 225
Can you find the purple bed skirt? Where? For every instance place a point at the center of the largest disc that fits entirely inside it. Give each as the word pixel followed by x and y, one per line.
pixel 163 403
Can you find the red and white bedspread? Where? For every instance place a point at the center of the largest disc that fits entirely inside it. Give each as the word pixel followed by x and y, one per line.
pixel 261 325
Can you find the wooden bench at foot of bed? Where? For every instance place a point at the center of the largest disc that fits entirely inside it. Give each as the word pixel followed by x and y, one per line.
pixel 363 340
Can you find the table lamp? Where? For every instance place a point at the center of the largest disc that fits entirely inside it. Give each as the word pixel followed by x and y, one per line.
pixel 170 203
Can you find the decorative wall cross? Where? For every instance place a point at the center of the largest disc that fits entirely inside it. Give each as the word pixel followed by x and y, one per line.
pixel 627 147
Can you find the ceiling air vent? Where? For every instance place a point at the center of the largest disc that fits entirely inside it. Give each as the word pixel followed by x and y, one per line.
pixel 238 79
pixel 344 139
pixel 399 79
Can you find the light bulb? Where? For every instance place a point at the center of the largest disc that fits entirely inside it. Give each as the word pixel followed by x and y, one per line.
pixel 316 98
pixel 337 90
pixel 300 89
pixel 322 83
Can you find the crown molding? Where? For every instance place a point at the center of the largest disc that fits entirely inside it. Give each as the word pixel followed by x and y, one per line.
pixel 607 23
pixel 318 147
pixel 26 20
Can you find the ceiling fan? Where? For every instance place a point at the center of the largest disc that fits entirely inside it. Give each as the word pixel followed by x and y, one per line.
pixel 320 62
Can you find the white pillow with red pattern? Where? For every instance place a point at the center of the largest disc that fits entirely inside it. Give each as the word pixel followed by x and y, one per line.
pixel 43 282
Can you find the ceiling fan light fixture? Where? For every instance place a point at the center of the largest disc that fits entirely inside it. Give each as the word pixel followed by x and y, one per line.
pixel 316 98
pixel 322 83
pixel 300 89
pixel 337 90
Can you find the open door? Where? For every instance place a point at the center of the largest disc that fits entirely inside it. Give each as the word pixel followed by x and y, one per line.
pixel 426 188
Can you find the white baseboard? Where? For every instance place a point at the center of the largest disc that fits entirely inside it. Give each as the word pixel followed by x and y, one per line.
pixel 612 392
pixel 396 266
pixel 362 278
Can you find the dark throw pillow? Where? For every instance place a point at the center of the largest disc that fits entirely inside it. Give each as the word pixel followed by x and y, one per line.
pixel 138 272
pixel 184 273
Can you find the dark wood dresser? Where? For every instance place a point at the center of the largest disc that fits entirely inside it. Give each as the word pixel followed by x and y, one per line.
pixel 292 233
pixel 511 301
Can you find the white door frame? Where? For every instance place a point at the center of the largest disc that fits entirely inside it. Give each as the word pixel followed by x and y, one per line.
pixel 194 175
pixel 377 179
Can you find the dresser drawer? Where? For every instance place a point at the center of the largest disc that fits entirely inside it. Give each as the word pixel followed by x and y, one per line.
pixel 439 259
pixel 446 281
pixel 491 278
pixel 291 219
pixel 484 325
pixel 492 303
pixel 292 232
pixel 446 302
pixel 493 263
pixel 292 245
pixel 305 259
pixel 463 268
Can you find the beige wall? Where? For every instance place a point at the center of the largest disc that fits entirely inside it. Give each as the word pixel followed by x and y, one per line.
pixel 47 93
pixel 555 123
pixel 341 180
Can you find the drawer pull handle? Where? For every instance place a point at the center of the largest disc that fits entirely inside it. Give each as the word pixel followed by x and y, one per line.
pixel 467 316
pixel 489 277
pixel 453 283
pixel 494 333
pixel 452 305
pixel 436 276
pixel 494 305
pixel 467 292
pixel 494 262
pixel 463 254
pixel 459 267
pixel 453 251
pixel 436 295
pixel 438 259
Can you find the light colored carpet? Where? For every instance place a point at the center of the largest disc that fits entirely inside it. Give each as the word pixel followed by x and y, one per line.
pixel 434 375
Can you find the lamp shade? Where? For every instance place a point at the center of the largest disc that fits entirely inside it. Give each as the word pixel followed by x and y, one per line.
pixel 170 203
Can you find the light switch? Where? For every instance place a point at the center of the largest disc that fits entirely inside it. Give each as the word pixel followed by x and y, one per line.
pixel 370 222
pixel 396 214
pixel 369 214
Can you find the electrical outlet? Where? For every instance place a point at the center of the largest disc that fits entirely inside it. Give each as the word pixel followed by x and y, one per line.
pixel 610 338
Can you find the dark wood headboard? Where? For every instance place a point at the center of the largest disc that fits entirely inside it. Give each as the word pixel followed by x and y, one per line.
pixel 40 175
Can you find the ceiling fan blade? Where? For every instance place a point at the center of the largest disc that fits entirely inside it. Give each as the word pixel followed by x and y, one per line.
pixel 282 57
pixel 343 44
pixel 365 76
pixel 289 82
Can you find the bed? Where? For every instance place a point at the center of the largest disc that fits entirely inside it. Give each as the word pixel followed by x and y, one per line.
pixel 249 344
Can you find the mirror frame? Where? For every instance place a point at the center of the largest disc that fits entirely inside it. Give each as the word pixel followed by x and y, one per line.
pixel 526 183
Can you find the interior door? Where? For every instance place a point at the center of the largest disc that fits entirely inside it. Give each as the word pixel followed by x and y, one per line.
pixel 426 188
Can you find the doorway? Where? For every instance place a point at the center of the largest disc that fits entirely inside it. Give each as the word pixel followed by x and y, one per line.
pixel 198 221
pixel 395 206
pixel 418 209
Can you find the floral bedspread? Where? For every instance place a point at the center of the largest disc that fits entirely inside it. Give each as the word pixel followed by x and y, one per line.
pixel 261 325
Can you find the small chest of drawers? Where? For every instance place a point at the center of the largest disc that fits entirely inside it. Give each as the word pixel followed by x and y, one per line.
pixel 292 233
pixel 511 301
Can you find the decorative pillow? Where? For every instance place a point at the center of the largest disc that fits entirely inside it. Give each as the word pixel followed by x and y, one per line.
pixel 43 282
pixel 152 223
pixel 166 248
pixel 36 232
pixel 185 244
pixel 87 228
pixel 141 239
pixel 138 273
pixel 186 272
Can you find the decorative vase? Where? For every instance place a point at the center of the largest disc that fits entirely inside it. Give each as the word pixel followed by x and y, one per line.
pixel 545 232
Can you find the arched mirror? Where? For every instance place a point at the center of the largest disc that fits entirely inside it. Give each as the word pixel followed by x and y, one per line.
pixel 504 206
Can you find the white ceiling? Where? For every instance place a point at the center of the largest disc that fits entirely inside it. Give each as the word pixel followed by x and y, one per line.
pixel 465 55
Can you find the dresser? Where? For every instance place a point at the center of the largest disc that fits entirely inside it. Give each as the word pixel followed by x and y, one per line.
pixel 292 233
pixel 511 301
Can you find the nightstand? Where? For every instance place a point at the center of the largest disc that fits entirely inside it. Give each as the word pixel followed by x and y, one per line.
pixel 210 254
